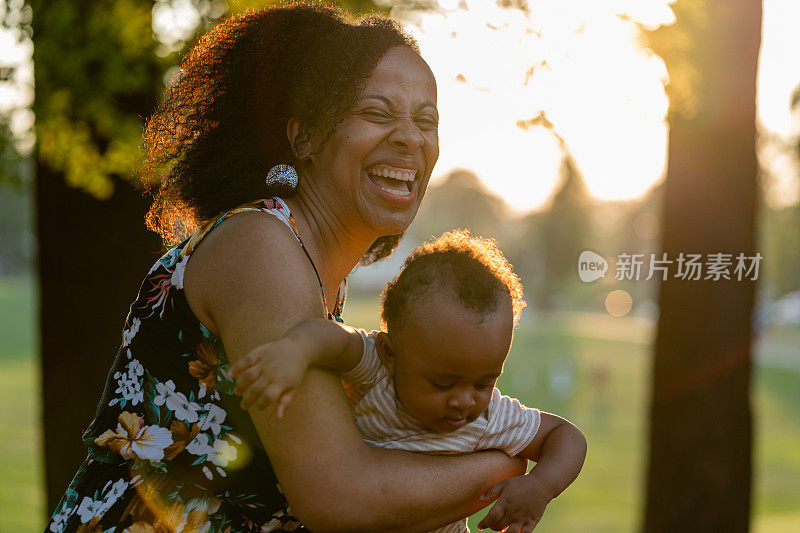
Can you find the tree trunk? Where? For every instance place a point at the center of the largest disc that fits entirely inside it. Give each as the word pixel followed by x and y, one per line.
pixel 93 255
pixel 699 470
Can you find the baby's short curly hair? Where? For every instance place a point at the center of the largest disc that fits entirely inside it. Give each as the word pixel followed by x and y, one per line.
pixel 473 268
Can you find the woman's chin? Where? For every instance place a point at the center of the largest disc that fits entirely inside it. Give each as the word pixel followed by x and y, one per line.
pixel 391 223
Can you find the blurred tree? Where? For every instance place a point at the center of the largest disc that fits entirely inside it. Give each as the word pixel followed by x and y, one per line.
pixel 16 84
pixel 780 234
pixel 564 227
pixel 98 72
pixel 562 230
pixel 699 465
pixel 460 201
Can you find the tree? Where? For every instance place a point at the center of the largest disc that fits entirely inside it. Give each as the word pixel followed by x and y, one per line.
pixel 699 465
pixel 460 201
pixel 562 229
pixel 96 74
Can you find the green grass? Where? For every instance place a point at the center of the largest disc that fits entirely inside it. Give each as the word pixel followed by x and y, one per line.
pixel 21 469
pixel 17 319
pixel 606 359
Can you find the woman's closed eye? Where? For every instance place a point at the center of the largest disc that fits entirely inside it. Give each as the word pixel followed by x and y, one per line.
pixel 376 115
pixel 426 122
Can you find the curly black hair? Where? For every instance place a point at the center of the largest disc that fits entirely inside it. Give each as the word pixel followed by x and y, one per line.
pixel 222 124
pixel 473 268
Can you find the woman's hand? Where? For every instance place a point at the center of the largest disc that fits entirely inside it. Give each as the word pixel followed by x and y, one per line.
pixel 270 374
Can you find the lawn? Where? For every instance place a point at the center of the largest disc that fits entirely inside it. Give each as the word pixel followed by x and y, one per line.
pixel 591 369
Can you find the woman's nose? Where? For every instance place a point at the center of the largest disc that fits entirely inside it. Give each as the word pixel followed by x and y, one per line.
pixel 406 135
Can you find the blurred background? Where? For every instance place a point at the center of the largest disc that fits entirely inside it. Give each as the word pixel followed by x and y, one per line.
pixel 616 126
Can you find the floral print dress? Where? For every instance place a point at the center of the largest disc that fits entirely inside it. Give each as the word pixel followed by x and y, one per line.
pixel 169 448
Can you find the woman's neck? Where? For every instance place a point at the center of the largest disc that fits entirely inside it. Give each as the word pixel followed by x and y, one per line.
pixel 333 247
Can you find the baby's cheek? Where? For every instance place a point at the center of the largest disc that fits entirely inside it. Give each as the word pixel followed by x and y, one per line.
pixel 483 404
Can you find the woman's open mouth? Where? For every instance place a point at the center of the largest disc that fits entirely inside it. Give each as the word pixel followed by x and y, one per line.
pixel 393 180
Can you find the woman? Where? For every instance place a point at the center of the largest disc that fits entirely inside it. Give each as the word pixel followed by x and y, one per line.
pixel 352 106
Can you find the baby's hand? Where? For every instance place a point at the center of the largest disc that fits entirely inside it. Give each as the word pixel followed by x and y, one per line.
pixel 520 504
pixel 270 373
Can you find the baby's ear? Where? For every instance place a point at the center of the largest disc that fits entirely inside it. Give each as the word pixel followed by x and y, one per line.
pixel 385 351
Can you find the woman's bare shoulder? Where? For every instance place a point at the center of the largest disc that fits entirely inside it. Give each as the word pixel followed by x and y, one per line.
pixel 251 269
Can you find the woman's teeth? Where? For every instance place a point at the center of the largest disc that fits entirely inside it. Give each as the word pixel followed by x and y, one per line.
pixel 397 174
pixel 395 181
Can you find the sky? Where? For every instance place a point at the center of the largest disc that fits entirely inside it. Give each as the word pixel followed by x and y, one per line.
pixel 601 90
pixel 603 93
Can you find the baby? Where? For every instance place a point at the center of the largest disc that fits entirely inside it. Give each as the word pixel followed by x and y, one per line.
pixel 426 383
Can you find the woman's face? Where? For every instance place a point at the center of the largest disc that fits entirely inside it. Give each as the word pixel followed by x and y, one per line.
pixel 374 169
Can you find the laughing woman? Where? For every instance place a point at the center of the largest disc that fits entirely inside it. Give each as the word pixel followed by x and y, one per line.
pixel 293 144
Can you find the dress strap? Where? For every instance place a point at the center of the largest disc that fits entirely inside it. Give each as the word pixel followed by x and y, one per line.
pixel 278 208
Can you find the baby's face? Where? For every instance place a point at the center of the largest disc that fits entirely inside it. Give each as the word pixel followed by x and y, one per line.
pixel 445 360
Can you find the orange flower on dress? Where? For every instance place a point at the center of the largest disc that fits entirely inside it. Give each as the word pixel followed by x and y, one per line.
pixel 205 368
pixel 171 519
pixel 148 501
pixel 92 526
pixel 140 527
pixel 135 440
pixel 182 435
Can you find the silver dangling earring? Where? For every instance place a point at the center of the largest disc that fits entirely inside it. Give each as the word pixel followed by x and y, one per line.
pixel 282 176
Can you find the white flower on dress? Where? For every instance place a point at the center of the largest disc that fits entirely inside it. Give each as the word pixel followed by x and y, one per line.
pixel 177 402
pixel 89 508
pixel 130 383
pixel 222 453
pixel 129 334
pixel 199 445
pixel 60 519
pixel 135 368
pixel 177 275
pixel 213 419
pixel 134 439
pixel 111 497
pixel 165 390
pixel 183 408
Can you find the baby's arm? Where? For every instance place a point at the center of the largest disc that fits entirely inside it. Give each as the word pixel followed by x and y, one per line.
pixel 271 372
pixel 559 449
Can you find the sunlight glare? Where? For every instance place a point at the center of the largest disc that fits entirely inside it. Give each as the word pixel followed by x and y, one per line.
pixel 777 79
pixel 602 92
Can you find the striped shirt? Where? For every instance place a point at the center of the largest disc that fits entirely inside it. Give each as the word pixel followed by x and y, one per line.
pixel 506 424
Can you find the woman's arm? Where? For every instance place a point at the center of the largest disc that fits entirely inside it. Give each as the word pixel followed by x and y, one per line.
pixel 340 484
pixel 271 372
pixel 249 282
